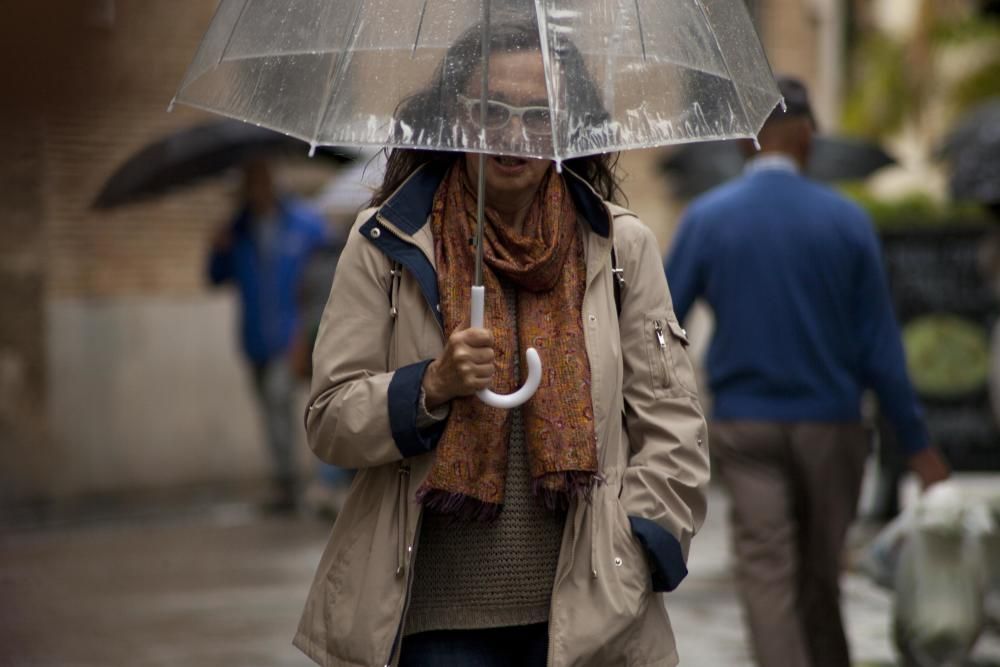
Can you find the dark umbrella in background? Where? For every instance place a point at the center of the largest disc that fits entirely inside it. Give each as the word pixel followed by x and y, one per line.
pixel 695 168
pixel 845 159
pixel 190 155
pixel 973 149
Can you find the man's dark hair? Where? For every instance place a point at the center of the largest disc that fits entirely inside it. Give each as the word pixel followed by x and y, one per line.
pixel 796 97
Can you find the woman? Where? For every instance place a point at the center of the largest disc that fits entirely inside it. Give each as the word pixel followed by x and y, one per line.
pixel 476 536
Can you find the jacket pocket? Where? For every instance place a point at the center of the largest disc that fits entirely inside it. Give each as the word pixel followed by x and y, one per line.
pixel 670 369
pixel 680 362
pixel 657 354
pixel 349 617
pixel 629 559
pixel 350 548
pixel 621 569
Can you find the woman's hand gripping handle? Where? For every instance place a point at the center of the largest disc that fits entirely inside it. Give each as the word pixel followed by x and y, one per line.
pixel 466 366
pixel 506 401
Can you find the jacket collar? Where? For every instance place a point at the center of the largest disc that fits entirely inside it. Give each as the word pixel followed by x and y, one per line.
pixel 771 161
pixel 409 207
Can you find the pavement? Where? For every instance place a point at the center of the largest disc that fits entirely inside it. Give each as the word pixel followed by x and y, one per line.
pixel 223 585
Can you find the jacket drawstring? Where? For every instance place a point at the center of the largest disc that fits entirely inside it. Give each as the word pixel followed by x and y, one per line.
pixel 395 278
pixel 402 491
pixel 599 480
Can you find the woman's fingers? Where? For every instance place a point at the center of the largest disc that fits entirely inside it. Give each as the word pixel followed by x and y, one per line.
pixel 474 355
pixel 474 372
pixel 475 375
pixel 466 366
pixel 476 338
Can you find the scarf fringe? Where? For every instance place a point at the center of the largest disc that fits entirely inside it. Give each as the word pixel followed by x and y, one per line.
pixel 460 506
pixel 578 484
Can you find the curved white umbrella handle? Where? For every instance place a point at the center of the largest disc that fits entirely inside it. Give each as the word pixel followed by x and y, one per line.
pixel 507 401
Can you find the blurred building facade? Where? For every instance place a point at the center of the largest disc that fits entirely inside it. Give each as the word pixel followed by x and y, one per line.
pixel 119 371
pixel 804 38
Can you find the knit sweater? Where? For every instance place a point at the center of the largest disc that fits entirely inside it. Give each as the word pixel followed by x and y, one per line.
pixel 474 575
pixel 803 315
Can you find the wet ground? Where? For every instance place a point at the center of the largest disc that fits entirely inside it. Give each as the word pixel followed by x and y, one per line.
pixel 224 586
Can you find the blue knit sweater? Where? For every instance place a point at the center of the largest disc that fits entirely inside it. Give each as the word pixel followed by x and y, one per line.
pixel 804 322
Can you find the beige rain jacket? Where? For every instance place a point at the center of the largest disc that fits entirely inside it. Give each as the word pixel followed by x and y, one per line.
pixel 382 327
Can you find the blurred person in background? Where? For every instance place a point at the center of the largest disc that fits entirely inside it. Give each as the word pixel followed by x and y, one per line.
pixel 263 251
pixel 803 325
pixel 339 202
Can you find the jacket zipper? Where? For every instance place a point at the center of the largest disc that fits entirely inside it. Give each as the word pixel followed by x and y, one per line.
pixel 435 307
pixel 662 342
pixel 398 641
pixel 404 568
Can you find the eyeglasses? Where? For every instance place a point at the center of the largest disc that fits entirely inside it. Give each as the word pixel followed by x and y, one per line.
pixel 534 119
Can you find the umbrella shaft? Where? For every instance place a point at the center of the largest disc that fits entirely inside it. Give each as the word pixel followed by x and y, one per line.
pixel 481 187
pixel 480 214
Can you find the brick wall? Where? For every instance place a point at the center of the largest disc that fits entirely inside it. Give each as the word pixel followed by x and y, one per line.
pixel 86 83
pixel 790 32
pixel 22 288
pixel 119 75
pixel 806 38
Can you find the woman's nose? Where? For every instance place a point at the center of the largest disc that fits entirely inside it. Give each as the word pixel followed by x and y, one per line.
pixel 515 127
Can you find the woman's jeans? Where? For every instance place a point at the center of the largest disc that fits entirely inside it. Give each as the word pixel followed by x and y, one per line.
pixel 512 646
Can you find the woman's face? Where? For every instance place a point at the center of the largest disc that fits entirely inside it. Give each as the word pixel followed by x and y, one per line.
pixel 517 83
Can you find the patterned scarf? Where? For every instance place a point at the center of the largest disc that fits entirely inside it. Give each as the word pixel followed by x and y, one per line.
pixel 546 264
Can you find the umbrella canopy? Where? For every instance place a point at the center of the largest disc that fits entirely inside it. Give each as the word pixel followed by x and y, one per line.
pixel 190 155
pixel 620 73
pixel 698 167
pixel 551 79
pixel 973 148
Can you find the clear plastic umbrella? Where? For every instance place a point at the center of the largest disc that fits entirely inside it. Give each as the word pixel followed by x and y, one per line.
pixel 336 71
pixel 619 74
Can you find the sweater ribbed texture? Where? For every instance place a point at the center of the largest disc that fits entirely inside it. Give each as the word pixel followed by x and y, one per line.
pixel 474 575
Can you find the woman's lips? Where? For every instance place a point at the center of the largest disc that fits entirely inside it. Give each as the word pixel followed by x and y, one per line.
pixel 508 165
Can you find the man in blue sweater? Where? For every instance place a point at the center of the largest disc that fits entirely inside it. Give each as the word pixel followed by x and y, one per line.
pixel 264 250
pixel 803 325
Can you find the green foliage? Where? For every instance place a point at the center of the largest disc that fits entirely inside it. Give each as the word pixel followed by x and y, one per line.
pixel 978 86
pixel 948 356
pixel 887 90
pixel 969 29
pixel 879 101
pixel 913 210
pixel 983 82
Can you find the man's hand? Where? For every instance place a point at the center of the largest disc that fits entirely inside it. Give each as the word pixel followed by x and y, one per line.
pixel 465 366
pixel 929 466
pixel 300 357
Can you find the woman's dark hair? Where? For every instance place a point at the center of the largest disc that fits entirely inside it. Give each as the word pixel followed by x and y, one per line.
pixel 451 80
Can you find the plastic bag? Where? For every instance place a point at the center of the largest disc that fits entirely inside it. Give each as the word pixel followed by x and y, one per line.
pixel 934 557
